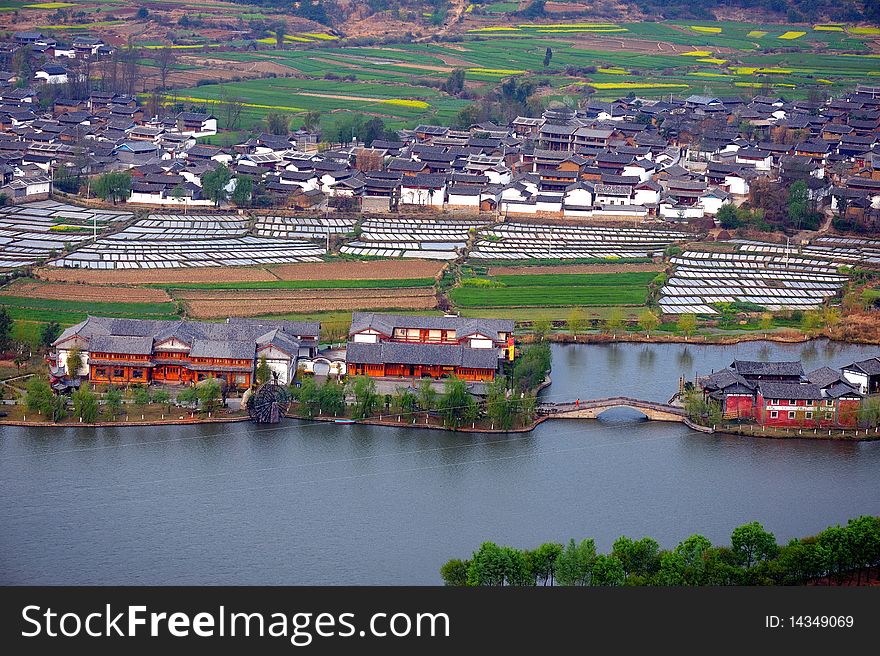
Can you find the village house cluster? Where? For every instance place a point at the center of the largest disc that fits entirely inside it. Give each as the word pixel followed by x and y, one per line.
pixel 676 159
pixel 782 394
pixel 143 352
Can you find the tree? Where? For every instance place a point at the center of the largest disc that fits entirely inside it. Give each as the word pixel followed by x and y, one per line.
pixel 728 217
pixel 672 569
pixel 488 566
pixel 140 396
pixel 331 398
pixel 188 397
pixel 577 321
pixel 752 544
pixel 113 402
pixel 455 82
pixel 209 394
pixel 57 408
pixel 163 398
pixel 114 186
pixel 530 370
pixel 49 333
pixel 312 120
pixel 165 59
pixel 835 551
pixel 74 362
pixel 178 193
pixel 456 404
pixel 454 572
pixel 637 557
pixel 869 411
pixel 607 571
pixel 540 329
pixel 648 322
pixel 692 552
pixel 499 408
pixel 39 397
pixel 574 566
pixel 766 322
pixel 798 202
pixel 427 395
pixel 85 405
pixel 241 194
pixel 214 184
pixel 277 123
pixel 263 372
pixel 687 324
pixel 542 562
pixel 863 534
pixel 366 400
pixel 307 398
pixel 548 55
pixel 6 323
pixel 280 28
pixel 811 321
pixel 143 13
pixel 615 321
pixel 404 401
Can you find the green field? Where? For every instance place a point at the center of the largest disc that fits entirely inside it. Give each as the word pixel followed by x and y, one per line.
pixel 392 283
pixel 547 290
pixel 824 62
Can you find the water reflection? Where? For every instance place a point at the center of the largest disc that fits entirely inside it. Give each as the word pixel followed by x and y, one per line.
pixel 685 360
pixel 646 358
pixel 809 354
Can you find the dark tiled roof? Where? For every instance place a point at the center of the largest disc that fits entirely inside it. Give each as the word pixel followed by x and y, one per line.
pixel 793 391
pixel 386 323
pixel 753 368
pixel 452 355
pixel 871 366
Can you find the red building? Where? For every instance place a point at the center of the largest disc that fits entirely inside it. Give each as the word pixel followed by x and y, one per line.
pixel 427 347
pixel 781 394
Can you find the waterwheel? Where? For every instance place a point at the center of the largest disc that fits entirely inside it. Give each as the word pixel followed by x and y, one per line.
pixel 269 403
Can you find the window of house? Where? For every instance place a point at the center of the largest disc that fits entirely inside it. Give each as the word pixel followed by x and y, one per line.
pixel 774 414
pixel 791 414
pixel 101 372
pixel 137 373
pixel 118 373
pixel 774 401
pixel 829 415
pixel 808 415
pixel 792 402
pixel 829 402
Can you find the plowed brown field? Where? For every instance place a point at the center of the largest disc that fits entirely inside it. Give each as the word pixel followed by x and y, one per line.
pixel 141 276
pixel 297 294
pixel 367 270
pixel 71 292
pixel 213 309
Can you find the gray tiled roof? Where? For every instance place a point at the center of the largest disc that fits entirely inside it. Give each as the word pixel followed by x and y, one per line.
pixel 754 368
pixel 386 323
pixel 235 349
pixel 793 391
pixel 121 344
pixel 417 353
pixel 871 366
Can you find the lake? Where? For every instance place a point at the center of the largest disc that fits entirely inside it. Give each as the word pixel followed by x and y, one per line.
pixel 317 503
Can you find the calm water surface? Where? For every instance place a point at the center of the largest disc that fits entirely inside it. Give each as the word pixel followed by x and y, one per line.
pixel 324 504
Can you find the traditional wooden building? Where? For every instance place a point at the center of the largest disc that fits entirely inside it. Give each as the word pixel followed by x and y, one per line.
pixel 129 351
pixel 428 347
pixel 781 394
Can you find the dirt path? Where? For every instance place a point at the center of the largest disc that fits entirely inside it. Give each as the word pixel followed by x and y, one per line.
pixel 574 268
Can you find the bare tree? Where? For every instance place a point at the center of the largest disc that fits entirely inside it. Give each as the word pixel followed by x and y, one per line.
pixel 165 60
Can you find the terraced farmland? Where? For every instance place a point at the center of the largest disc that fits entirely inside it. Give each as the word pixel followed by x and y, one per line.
pixel 172 241
pixel 765 275
pixel 548 290
pixel 524 241
pixel 420 238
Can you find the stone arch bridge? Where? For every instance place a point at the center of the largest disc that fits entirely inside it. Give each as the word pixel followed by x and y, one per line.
pixel 591 409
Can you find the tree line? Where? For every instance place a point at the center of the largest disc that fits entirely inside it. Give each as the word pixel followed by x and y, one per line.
pixel 839 555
